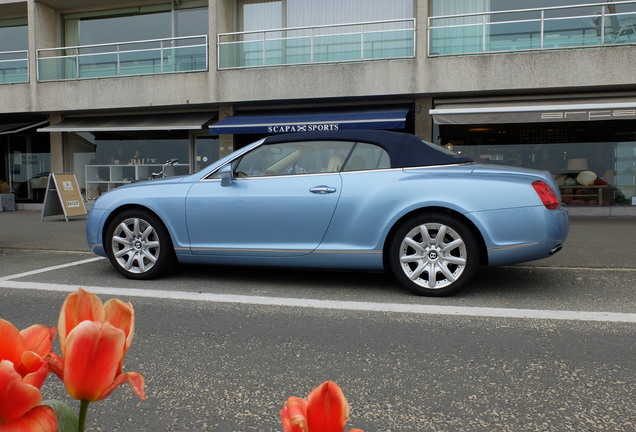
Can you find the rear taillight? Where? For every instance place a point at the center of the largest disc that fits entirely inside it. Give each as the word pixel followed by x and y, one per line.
pixel 548 196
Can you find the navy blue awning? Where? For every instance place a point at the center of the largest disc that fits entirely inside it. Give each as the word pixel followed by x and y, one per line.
pixel 275 122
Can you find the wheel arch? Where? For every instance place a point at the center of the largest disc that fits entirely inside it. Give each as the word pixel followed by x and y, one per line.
pixel 124 208
pixel 483 251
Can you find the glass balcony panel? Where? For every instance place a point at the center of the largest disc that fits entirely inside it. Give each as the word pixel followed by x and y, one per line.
pixel 389 44
pixel 569 32
pixel 337 48
pixel 97 65
pixel 186 59
pixel 457 40
pixel 140 62
pixel 508 36
pixel 57 68
pixel 622 28
pixel 14 67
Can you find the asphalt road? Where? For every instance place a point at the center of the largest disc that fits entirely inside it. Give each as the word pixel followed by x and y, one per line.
pixel 524 348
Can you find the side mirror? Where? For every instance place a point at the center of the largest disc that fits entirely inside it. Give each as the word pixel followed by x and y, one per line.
pixel 226 175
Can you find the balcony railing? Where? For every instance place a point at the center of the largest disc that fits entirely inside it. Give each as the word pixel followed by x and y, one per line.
pixel 318 44
pixel 14 67
pixel 583 25
pixel 156 56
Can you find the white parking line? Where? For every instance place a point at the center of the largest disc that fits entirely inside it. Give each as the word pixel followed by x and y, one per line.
pixel 336 305
pixel 46 269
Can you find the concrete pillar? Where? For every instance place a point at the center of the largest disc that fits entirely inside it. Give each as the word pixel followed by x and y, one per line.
pixel 226 142
pixel 423 121
pixel 44 32
pixel 57 146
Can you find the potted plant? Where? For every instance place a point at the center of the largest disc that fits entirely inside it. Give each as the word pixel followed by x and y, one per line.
pixel 7 199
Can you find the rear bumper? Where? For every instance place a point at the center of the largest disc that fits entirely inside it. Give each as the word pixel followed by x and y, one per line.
pixel 523 234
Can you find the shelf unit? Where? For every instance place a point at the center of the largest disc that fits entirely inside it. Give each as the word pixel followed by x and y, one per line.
pixel 102 178
pixel 583 193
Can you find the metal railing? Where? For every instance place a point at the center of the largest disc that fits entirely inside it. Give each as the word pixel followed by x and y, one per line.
pixel 14 66
pixel 317 44
pixel 145 57
pixel 582 25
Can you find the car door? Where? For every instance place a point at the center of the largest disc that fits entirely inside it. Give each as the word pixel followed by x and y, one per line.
pixel 279 202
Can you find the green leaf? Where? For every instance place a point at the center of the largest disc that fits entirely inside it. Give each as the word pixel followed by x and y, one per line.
pixel 66 418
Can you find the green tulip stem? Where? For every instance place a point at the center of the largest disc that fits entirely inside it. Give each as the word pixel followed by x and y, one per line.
pixel 82 415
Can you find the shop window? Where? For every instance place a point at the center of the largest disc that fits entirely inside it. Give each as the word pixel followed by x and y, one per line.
pixel 105 160
pixel 605 151
pixel 29 166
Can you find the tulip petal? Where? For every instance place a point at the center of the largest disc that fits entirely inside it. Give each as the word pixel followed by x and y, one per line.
pixel 11 342
pixel 294 415
pixel 39 419
pixel 327 408
pixel 136 381
pixel 16 397
pixel 93 354
pixel 39 339
pixel 121 315
pixel 33 368
pixel 78 307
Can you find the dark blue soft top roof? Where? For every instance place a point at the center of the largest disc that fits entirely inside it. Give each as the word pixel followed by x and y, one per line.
pixel 405 150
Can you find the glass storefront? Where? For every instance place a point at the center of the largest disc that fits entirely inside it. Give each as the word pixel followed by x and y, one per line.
pixel 29 165
pixel 604 151
pixel 105 160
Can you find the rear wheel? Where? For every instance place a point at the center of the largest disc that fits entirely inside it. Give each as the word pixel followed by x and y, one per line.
pixel 434 254
pixel 138 245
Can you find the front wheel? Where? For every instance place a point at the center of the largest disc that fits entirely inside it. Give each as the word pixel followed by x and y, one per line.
pixel 434 254
pixel 138 245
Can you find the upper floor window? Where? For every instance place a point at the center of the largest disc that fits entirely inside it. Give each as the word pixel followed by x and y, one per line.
pixel 14 45
pixel 136 24
pixel 140 40
pixel 272 14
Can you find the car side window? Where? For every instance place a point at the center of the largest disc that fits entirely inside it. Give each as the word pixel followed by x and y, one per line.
pixel 367 157
pixel 290 158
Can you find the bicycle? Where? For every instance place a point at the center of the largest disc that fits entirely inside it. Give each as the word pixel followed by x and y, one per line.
pixel 162 173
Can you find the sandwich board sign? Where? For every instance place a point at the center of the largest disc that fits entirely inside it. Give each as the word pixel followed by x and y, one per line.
pixel 63 197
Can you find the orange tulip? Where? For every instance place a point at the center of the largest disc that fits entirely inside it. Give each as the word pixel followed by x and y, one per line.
pixel 94 339
pixel 26 349
pixel 325 410
pixel 20 409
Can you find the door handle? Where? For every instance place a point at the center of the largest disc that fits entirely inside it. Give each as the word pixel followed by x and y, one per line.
pixel 322 190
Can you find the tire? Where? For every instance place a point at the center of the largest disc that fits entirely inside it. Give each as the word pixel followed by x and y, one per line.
pixel 138 245
pixel 434 254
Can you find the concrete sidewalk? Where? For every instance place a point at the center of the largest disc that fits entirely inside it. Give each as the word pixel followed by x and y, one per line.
pixel 593 242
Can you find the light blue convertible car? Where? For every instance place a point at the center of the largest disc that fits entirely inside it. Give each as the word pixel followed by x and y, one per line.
pixel 371 200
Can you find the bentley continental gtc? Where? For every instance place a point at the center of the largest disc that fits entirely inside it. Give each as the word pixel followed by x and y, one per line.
pixel 365 200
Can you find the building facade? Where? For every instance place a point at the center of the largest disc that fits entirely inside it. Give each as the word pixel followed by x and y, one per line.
pixel 108 90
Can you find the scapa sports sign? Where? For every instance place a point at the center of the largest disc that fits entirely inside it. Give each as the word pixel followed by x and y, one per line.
pixel 311 127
